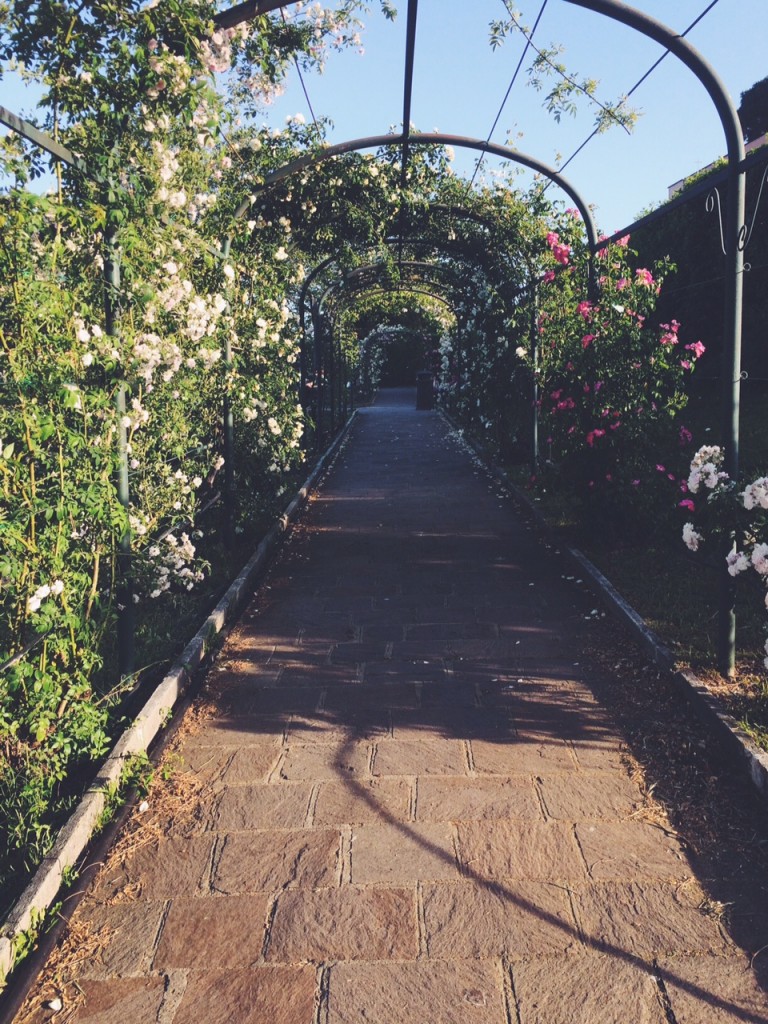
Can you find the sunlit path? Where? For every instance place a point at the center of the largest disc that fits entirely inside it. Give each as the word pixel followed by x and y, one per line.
pixel 400 799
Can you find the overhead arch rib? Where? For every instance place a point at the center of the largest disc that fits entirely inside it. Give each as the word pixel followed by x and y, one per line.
pixel 432 139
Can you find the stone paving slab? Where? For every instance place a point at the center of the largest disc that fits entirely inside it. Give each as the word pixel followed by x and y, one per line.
pixel 238 732
pixel 442 798
pixel 245 807
pixel 172 867
pixel 443 993
pixel 630 850
pixel 524 756
pixel 266 861
pixel 587 990
pixel 366 698
pixel 600 753
pixel 328 726
pixel 117 1000
pixel 350 923
pixel 645 919
pixel 519 919
pixel 533 850
pixel 368 800
pixel 211 932
pixel 315 761
pixel 586 796
pixel 714 990
pixel 430 755
pixel 448 717
pixel 403 803
pixel 376 672
pixel 264 995
pixel 127 932
pixel 394 854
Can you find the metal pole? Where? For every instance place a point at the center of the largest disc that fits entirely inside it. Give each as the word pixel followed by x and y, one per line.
pixel 731 371
pixel 459 367
pixel 228 423
pixel 734 256
pixel 126 618
pixel 332 377
pixel 344 381
pixel 534 328
pixel 344 391
pixel 318 375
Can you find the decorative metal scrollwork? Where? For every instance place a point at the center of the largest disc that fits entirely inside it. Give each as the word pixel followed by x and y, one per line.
pixel 713 201
pixel 744 236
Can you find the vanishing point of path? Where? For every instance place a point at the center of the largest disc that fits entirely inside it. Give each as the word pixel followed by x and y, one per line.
pixel 400 801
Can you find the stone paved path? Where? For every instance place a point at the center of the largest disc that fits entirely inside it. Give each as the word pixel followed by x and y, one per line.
pixel 410 808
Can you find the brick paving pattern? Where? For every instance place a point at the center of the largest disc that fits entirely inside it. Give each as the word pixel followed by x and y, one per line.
pixel 414 808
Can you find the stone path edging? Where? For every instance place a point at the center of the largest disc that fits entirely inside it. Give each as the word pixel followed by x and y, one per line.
pixel 75 835
pixel 750 758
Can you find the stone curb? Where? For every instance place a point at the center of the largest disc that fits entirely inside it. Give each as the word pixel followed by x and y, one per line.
pixel 751 759
pixel 75 835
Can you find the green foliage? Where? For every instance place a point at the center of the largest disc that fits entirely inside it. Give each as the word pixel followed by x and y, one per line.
pixel 136 774
pixel 208 311
pixel 129 88
pixel 547 71
pixel 753 110
pixel 613 383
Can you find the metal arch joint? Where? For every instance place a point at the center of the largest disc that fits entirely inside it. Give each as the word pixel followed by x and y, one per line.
pixel 44 141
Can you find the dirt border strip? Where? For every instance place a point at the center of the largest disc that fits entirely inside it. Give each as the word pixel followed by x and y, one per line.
pixel 75 835
pixel 749 758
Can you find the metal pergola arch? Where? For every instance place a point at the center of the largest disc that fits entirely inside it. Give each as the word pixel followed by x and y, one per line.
pixel 447 245
pixel 356 281
pixel 435 244
pixel 347 287
pixel 734 239
pixel 345 278
pixel 734 233
pixel 352 282
pixel 432 139
pixel 452 211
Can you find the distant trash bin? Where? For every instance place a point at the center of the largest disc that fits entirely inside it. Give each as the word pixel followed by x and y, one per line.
pixel 425 390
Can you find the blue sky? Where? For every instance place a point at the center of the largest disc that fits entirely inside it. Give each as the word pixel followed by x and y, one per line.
pixel 459 83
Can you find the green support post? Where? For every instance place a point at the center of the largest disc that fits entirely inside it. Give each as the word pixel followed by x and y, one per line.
pixel 228 424
pixel 534 328
pixel 126 618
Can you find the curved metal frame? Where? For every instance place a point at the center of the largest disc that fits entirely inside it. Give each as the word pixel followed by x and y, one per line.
pixel 733 238
pixel 430 139
pixel 352 286
pixel 734 255
pixel 324 264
